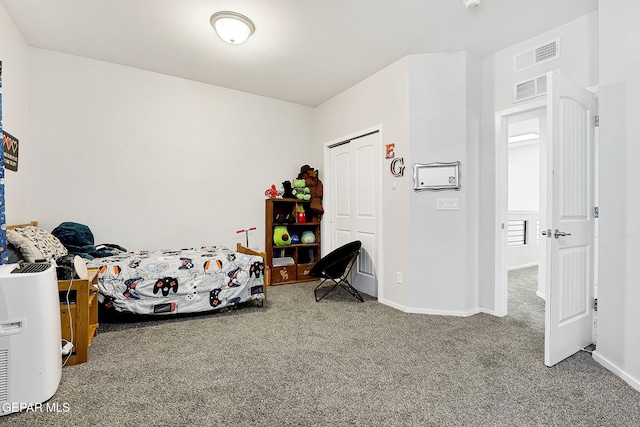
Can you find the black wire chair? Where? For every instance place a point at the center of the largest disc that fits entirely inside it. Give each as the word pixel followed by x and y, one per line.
pixel 335 267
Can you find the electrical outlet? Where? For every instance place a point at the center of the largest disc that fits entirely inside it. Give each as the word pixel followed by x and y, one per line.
pixel 449 204
pixel 399 278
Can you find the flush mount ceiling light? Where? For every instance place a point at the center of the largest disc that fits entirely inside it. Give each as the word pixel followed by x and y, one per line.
pixel 232 27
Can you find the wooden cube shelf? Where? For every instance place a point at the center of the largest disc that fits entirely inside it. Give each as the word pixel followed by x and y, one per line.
pixel 303 256
pixel 79 317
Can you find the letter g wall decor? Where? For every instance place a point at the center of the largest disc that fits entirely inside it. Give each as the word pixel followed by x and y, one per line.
pixel 436 176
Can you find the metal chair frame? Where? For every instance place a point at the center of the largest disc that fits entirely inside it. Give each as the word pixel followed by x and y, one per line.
pixel 341 280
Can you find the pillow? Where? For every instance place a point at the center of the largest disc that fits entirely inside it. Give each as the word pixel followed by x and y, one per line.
pixel 35 243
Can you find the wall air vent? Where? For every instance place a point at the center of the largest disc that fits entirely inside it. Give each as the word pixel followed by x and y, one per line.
pixel 4 376
pixel 528 89
pixel 538 55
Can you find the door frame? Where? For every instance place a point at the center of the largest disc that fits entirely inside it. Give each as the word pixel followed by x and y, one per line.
pixel 326 226
pixel 501 201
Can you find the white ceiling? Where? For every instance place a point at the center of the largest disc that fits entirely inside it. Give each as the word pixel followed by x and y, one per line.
pixel 303 51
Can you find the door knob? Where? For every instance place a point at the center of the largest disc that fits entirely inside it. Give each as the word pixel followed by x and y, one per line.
pixel 557 233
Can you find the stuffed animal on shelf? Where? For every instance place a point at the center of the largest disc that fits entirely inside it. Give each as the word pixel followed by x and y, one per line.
pixel 308 237
pixel 316 189
pixel 287 193
pixel 301 215
pixel 284 219
pixel 272 192
pixel 300 190
pixel 281 235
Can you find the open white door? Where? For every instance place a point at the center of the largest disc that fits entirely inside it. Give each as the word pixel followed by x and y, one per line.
pixel 354 205
pixel 570 219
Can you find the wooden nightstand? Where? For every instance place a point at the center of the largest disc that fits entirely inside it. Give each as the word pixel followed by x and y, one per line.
pixel 81 314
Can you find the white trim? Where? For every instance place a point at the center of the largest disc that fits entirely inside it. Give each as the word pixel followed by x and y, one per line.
pixel 517 212
pixel 540 294
pixel 501 207
pixel 490 312
pixel 517 267
pixel 326 226
pixel 412 310
pixel 633 382
pixel 594 89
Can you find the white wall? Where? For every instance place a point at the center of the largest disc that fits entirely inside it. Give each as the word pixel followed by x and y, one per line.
pixel 579 62
pixel 429 106
pixel 14 54
pixel 524 200
pixel 443 244
pixel 619 238
pixel 524 176
pixel 148 160
pixel 382 99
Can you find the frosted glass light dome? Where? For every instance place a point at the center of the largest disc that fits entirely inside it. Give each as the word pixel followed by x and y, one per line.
pixel 232 27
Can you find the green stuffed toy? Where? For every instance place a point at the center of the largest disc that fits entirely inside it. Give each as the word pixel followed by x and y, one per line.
pixel 281 235
pixel 300 190
pixel 308 237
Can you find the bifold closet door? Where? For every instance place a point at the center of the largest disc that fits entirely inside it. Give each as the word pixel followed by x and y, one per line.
pixel 354 196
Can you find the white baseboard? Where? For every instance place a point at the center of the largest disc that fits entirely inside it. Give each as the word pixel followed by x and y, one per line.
pixel 517 267
pixel 491 312
pixel 616 370
pixel 540 294
pixel 414 310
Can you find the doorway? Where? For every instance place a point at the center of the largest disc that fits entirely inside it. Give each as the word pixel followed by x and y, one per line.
pixel 509 123
pixel 525 251
pixel 568 222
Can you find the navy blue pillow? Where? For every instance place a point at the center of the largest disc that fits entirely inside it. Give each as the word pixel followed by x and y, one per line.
pixel 14 254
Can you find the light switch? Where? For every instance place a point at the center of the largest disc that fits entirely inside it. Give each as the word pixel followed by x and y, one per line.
pixel 450 204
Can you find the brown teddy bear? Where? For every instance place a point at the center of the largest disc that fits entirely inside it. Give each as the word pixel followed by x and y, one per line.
pixel 316 189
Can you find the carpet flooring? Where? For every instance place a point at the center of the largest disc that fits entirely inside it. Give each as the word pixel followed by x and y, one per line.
pixel 335 363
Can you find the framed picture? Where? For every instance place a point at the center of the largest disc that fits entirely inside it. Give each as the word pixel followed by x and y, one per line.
pixel 436 176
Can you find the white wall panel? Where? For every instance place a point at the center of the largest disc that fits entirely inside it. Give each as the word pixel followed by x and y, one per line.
pixel 148 160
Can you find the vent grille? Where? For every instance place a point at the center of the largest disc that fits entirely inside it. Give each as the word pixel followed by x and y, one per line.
pixel 537 55
pixel 4 375
pixel 547 52
pixel 528 89
pixel 32 268
pixel 541 85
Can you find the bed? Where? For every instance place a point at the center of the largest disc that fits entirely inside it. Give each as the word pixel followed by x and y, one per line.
pixel 180 281
pixel 163 282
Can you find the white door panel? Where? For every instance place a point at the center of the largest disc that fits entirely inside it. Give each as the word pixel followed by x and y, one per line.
pixel 340 194
pixel 569 284
pixel 354 200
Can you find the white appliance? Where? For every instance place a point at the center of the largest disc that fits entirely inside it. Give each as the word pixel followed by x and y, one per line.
pixel 30 337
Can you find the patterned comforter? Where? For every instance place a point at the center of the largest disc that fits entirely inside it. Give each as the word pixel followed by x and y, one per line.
pixel 179 281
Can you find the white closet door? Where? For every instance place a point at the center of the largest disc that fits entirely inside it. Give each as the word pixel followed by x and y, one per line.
pixel 355 176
